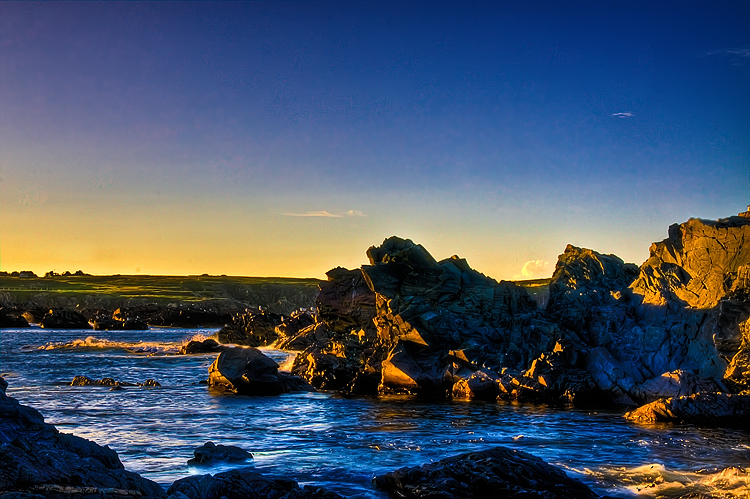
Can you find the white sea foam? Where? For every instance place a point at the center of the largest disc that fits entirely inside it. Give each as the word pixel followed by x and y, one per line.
pixel 655 480
pixel 136 347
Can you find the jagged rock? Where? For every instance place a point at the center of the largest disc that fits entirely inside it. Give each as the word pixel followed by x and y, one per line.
pixel 314 334
pixel 64 319
pixel 244 483
pixel 675 384
pixel 697 264
pixel 291 326
pixel 204 314
pixel 110 324
pixel 248 371
pixel 497 472
pixel 86 381
pixel 210 453
pixel 209 345
pixel 711 409
pixel 35 458
pixel 345 302
pixel 249 329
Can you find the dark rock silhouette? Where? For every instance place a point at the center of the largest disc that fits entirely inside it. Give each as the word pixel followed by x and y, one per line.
pixel 247 371
pixel 210 453
pixel 35 458
pixel 64 319
pixel 710 409
pixel 497 472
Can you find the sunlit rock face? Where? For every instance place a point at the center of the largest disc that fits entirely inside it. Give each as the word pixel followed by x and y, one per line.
pixel 698 264
pixel 704 408
pixel 37 459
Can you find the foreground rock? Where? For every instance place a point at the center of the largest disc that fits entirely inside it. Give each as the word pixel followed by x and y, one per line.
pixel 710 409
pixel 498 472
pixel 210 453
pixel 247 371
pixel 35 458
pixel 244 483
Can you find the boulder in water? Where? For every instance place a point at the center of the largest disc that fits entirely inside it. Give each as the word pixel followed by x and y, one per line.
pixel 210 453
pixel 710 409
pixel 247 371
pixel 244 483
pixel 64 319
pixel 208 345
pixel 497 472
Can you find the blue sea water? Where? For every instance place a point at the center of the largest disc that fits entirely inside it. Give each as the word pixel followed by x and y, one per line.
pixel 333 441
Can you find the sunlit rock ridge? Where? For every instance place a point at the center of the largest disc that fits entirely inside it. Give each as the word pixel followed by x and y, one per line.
pixel 612 332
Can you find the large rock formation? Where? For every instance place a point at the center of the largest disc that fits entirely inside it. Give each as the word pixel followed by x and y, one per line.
pixel 498 472
pixel 611 332
pixel 711 409
pixel 37 459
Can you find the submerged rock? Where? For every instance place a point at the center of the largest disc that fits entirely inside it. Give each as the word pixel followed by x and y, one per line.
pixel 710 409
pixel 86 381
pixel 497 472
pixel 210 453
pixel 248 371
pixel 35 458
pixel 244 483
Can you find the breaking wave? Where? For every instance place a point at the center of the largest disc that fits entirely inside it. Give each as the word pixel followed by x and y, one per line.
pixel 655 480
pixel 133 347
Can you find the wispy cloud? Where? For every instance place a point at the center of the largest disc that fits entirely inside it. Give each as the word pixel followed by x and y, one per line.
pixel 313 214
pixel 327 214
pixel 737 56
pixel 533 269
pixel 623 115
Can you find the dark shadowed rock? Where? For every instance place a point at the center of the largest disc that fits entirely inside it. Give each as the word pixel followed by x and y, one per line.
pixel 248 371
pixel 208 345
pixel 210 453
pixel 35 458
pixel 64 319
pixel 244 483
pixel 498 472
pixel 251 329
pixel 12 321
pixel 111 382
pixel 711 409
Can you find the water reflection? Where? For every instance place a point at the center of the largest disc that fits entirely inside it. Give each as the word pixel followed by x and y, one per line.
pixel 334 441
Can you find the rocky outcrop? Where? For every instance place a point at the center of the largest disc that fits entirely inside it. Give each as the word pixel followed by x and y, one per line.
pixel 247 371
pixel 104 323
pixel 12 321
pixel 251 329
pixel 710 409
pixel 111 382
pixel 244 483
pixel 64 319
pixel 497 472
pixel 35 458
pixel 204 314
pixel 210 453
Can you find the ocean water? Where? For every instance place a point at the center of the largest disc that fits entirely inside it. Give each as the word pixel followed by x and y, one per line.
pixel 334 441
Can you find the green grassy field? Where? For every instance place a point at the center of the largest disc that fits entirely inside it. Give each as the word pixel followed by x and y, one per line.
pixel 118 290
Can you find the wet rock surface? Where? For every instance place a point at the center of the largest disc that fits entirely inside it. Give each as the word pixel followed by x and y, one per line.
pixel 244 483
pixel 497 472
pixel 64 319
pixel 247 371
pixel 210 453
pixel 111 382
pixel 35 458
pixel 709 409
pixel 209 345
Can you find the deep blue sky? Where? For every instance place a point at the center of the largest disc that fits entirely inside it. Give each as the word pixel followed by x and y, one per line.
pixel 190 137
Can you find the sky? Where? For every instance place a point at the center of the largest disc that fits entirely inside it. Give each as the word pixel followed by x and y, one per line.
pixel 285 138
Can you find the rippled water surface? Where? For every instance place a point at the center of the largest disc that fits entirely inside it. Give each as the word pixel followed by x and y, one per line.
pixel 333 441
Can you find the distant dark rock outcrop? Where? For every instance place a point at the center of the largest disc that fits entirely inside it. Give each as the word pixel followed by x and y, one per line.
pixel 710 409
pixel 111 382
pixel 37 460
pixel 12 321
pixel 498 472
pixel 64 319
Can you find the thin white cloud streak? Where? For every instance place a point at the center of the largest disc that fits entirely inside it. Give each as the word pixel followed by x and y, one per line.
pixel 738 56
pixel 327 214
pixel 623 115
